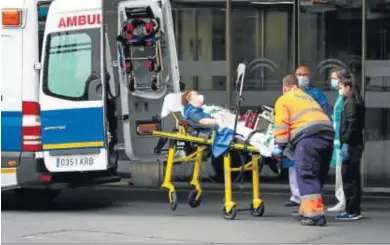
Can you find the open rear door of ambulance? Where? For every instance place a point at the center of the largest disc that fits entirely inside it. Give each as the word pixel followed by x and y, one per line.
pixel 72 94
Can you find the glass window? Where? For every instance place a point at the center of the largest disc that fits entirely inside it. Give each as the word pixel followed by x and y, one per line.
pixel 72 63
pixel 330 36
pixel 262 37
pixel 378 47
pixel 200 35
pixel 377 95
pixel 376 158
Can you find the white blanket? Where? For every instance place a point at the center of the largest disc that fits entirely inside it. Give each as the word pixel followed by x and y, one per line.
pixel 264 142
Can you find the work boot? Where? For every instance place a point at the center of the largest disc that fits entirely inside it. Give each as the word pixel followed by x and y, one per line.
pixel 321 221
pixel 291 204
pixel 296 215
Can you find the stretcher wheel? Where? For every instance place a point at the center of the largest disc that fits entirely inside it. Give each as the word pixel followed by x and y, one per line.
pixel 192 199
pixel 231 215
pixel 257 212
pixel 173 201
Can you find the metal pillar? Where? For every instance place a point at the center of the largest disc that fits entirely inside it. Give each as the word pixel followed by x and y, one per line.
pixel 228 53
pixel 363 85
pixel 296 43
pixel 364 48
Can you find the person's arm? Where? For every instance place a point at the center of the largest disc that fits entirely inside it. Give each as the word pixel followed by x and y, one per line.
pixel 351 119
pixel 282 124
pixel 211 122
pixel 324 103
pixel 197 115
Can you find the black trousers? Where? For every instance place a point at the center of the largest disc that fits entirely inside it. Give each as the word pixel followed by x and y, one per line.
pixel 352 182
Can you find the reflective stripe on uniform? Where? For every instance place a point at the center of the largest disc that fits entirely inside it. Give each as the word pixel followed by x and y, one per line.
pixel 297 131
pixel 296 111
pixel 311 206
pixel 303 112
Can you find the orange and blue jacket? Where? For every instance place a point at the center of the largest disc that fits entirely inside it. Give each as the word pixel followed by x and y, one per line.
pixel 297 116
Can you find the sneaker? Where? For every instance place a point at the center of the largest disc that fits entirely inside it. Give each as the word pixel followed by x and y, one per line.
pixel 337 208
pixel 347 216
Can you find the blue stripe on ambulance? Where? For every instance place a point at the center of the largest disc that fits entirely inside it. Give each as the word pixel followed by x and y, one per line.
pixel 11 130
pixel 67 126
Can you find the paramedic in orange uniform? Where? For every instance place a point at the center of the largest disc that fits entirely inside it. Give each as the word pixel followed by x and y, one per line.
pixel 305 130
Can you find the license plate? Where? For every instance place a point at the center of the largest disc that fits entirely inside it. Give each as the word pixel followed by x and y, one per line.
pixel 71 162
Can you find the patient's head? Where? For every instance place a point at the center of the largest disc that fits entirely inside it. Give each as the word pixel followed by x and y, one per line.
pixel 192 97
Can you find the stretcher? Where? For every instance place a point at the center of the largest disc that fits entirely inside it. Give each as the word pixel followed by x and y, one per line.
pixel 196 147
pixel 186 132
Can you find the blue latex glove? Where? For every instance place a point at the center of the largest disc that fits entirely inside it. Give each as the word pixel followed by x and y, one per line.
pixel 344 151
pixel 287 163
pixel 277 152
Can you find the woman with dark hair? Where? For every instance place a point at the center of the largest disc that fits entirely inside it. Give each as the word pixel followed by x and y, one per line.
pixel 351 140
pixel 336 162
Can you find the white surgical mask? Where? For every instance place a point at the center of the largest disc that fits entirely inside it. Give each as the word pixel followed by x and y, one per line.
pixel 201 98
pixel 303 81
pixel 334 83
pixel 341 92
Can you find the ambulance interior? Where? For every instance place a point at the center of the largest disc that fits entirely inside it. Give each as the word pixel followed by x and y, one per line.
pixel 139 108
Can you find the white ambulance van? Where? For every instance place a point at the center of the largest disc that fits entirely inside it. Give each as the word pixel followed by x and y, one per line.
pixel 53 111
pixel 60 113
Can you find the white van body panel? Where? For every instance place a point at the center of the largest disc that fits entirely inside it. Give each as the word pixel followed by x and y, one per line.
pixel 63 149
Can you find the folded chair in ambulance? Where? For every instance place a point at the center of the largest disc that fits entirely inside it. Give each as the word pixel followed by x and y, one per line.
pixel 198 146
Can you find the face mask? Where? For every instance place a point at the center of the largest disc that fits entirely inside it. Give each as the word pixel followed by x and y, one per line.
pixel 334 84
pixel 201 98
pixel 341 92
pixel 303 81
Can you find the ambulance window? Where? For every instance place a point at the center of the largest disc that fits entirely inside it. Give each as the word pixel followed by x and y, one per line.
pixel 72 61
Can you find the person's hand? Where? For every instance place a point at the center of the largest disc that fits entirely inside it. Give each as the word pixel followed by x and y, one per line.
pixel 344 151
pixel 277 152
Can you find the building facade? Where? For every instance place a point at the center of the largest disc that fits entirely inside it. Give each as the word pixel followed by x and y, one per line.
pixel 275 36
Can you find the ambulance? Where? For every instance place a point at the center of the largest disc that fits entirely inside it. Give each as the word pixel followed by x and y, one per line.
pixel 64 98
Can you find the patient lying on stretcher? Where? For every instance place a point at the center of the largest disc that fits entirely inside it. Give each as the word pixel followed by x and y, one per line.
pixel 194 111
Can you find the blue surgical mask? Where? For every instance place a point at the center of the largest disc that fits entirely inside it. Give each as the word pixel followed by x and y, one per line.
pixel 303 81
pixel 334 84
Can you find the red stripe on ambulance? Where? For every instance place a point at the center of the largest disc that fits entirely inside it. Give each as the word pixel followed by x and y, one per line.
pixel 80 20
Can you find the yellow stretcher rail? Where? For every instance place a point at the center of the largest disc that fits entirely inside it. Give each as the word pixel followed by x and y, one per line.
pixel 195 196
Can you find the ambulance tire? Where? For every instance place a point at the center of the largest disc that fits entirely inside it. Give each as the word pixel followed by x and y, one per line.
pixel 37 196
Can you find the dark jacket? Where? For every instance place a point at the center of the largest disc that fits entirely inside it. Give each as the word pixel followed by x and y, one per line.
pixel 352 122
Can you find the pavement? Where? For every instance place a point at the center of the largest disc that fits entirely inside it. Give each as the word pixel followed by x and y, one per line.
pixel 126 215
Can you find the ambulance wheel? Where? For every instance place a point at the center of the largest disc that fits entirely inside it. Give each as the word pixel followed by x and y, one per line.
pixel 231 215
pixel 192 199
pixel 173 201
pixel 257 212
pixel 154 85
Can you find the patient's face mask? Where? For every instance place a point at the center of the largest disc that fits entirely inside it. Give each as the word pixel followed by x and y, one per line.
pixel 201 99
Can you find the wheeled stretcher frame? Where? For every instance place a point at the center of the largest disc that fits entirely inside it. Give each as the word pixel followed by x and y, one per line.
pixel 194 199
